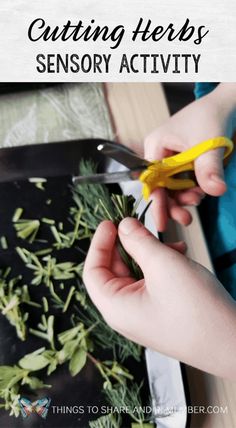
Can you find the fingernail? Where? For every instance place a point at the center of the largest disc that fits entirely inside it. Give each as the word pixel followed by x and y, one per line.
pixel 217 179
pixel 197 202
pixel 128 225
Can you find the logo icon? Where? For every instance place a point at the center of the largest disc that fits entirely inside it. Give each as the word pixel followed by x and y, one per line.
pixel 40 406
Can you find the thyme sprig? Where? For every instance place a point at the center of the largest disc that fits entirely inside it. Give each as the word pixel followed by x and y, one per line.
pixel 47 268
pixel 12 296
pixel 11 380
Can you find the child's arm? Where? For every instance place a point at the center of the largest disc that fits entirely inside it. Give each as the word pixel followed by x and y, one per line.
pixel 179 309
pixel 208 117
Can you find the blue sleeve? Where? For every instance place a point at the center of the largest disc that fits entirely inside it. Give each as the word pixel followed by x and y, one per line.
pixel 202 89
pixel 220 230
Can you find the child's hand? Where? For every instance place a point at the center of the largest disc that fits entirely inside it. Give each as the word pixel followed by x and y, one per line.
pixel 209 117
pixel 179 308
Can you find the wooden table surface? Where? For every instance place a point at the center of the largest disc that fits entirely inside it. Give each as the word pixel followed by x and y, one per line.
pixel 136 109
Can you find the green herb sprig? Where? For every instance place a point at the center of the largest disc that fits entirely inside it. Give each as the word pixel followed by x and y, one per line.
pixel 12 296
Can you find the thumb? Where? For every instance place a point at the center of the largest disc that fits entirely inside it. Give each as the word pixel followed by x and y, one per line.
pixel 141 245
pixel 210 173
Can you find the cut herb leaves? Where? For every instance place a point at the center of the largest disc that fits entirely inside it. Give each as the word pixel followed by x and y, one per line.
pixel 47 303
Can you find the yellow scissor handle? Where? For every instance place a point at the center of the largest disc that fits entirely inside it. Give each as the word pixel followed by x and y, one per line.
pixel 159 173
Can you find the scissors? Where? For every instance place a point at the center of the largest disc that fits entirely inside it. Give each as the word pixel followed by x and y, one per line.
pixel 159 173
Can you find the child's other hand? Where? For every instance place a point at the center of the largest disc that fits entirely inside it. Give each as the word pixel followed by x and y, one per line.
pixel 208 117
pixel 179 308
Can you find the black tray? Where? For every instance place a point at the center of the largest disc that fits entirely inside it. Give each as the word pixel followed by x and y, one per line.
pixel 63 160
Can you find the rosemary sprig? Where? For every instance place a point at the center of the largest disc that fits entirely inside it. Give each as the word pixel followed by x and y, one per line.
pixel 129 398
pixel 105 337
pixel 114 208
pixel 87 196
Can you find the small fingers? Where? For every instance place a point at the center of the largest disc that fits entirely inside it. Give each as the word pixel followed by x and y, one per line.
pixel 158 146
pixel 97 268
pixel 160 209
pixel 164 207
pixel 141 244
pixel 179 214
pixel 189 197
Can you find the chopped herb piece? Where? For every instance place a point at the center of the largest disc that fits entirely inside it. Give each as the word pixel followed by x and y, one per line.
pixel 38 182
pixel 45 304
pixel 68 299
pixel 18 213
pixel 27 229
pixel 4 243
pixel 48 220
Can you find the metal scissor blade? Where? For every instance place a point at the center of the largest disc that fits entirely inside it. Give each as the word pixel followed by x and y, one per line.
pixel 122 155
pixel 108 177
